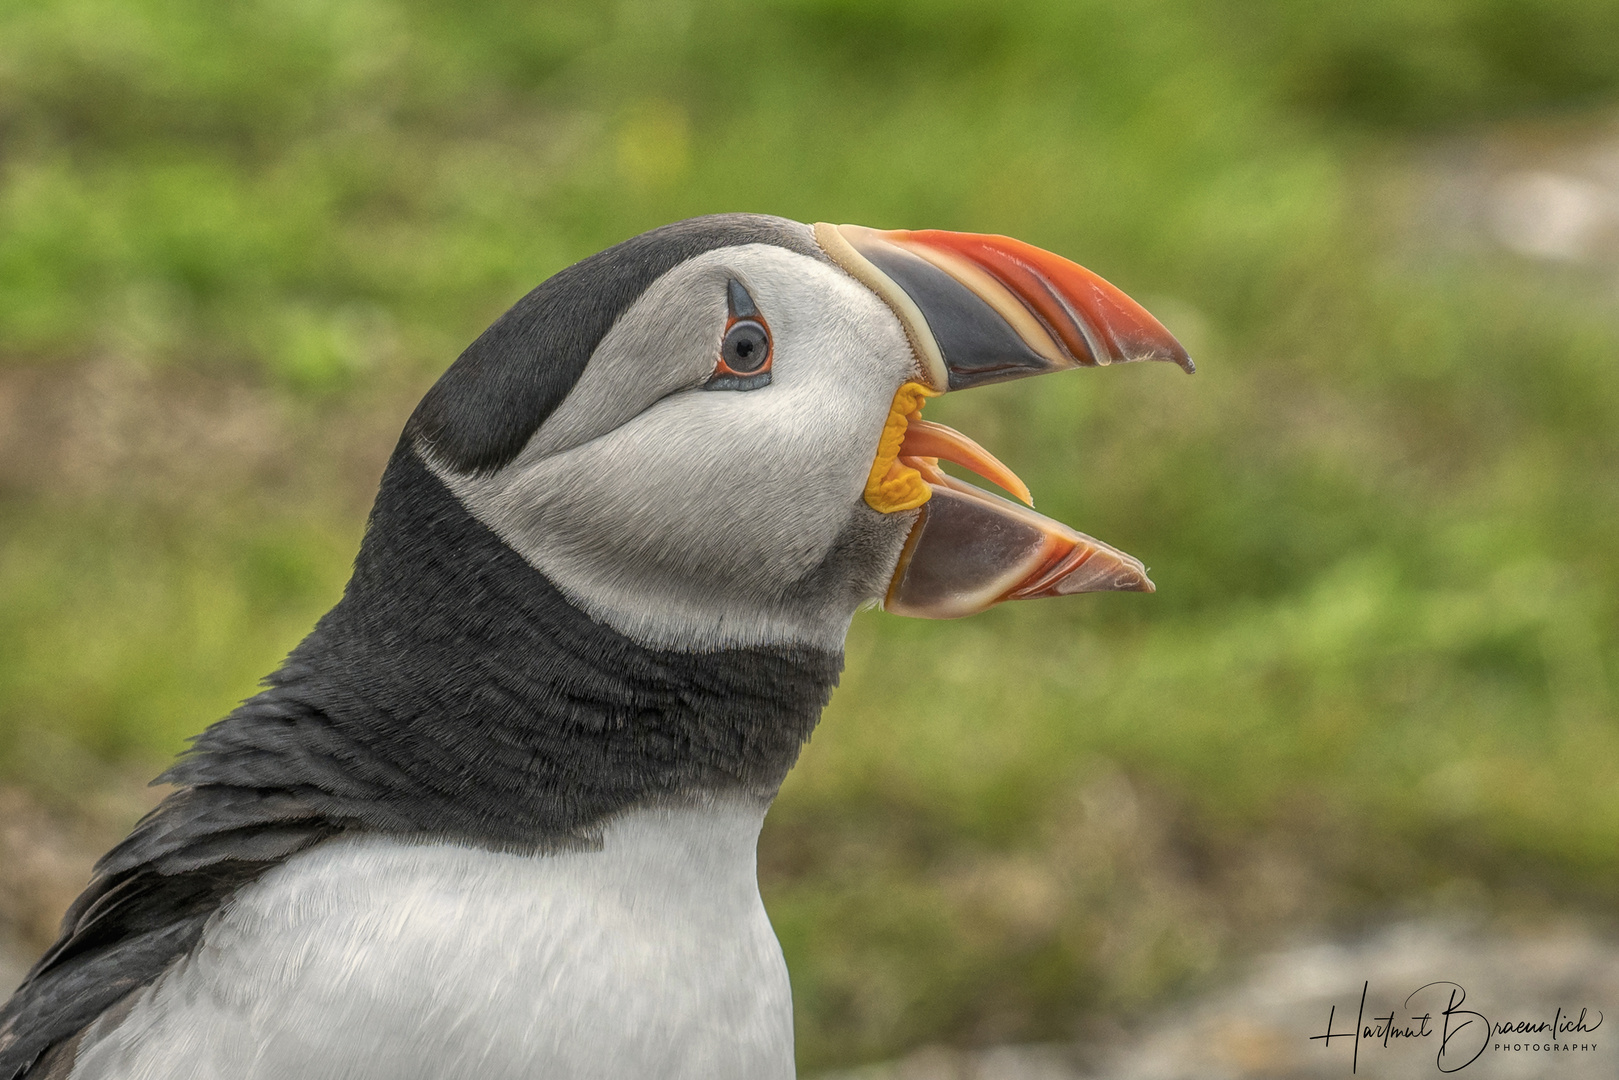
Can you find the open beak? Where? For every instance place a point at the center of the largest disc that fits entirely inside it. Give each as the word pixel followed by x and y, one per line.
pixel 980 309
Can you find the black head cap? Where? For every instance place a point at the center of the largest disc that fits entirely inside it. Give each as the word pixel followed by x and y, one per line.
pixel 484 409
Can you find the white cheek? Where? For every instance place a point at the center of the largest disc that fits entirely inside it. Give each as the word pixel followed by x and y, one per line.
pixel 701 521
pixel 690 490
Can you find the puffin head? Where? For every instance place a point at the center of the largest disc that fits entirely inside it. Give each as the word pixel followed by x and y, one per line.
pixel 709 436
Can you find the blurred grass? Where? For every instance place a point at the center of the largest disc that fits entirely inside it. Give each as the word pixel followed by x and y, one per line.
pixel 1379 671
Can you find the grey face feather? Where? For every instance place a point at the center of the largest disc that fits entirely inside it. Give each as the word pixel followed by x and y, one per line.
pixel 701 520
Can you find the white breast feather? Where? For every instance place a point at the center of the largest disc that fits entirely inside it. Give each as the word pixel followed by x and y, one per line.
pixel 374 958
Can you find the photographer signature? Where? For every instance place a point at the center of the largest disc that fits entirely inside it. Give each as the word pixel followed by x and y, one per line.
pixel 1463 1034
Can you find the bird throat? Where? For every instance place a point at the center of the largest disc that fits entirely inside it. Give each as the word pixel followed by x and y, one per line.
pixel 455 691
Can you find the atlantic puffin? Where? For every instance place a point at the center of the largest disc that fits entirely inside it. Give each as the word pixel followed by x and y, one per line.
pixel 496 816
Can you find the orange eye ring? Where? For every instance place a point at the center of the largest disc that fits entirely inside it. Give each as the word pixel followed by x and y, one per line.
pixel 746 347
pixel 746 350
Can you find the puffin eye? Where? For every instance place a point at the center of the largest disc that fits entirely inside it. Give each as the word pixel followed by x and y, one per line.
pixel 746 348
pixel 744 362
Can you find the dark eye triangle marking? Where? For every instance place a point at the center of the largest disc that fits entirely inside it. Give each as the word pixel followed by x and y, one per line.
pixel 740 301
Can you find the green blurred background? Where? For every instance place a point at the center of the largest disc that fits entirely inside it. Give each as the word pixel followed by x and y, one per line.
pixel 239 240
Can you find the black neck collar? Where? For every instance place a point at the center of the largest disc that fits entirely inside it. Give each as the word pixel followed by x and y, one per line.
pixel 455 691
